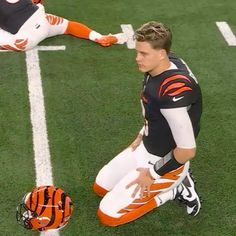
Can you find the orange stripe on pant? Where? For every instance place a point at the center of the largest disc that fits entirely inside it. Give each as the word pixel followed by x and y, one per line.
pixel 101 192
pixel 145 200
pixel 174 174
pixel 130 216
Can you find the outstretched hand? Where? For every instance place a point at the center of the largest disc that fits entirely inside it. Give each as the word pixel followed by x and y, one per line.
pixel 144 182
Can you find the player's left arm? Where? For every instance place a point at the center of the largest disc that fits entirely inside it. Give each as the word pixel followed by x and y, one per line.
pixel 182 131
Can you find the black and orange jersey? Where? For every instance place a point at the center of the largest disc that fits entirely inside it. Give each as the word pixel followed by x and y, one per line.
pixel 171 89
pixel 13 14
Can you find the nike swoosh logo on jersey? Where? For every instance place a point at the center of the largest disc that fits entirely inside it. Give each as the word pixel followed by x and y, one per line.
pixel 177 99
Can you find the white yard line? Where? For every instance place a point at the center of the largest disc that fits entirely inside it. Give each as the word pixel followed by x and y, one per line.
pixel 227 33
pixel 51 48
pixel 38 120
pixel 129 32
pixel 42 156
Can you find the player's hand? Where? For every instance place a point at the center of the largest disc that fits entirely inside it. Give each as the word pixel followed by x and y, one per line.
pixel 144 182
pixel 136 142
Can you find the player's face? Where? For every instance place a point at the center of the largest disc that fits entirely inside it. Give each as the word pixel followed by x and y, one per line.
pixel 148 59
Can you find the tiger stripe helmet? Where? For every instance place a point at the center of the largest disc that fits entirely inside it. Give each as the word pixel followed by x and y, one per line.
pixel 45 208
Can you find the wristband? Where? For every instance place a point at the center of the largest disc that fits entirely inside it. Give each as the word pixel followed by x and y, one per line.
pixel 170 165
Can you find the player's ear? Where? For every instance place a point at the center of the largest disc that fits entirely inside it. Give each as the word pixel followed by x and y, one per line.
pixel 163 54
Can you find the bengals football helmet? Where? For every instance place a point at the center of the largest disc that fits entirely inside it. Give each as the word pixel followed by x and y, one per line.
pixel 45 208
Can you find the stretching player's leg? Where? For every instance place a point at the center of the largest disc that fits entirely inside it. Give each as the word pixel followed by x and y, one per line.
pixel 59 25
pixel 82 31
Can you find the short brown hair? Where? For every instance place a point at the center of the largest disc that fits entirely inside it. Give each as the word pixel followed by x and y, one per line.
pixel 155 33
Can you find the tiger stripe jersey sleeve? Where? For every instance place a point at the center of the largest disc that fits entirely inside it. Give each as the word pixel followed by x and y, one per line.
pixel 177 91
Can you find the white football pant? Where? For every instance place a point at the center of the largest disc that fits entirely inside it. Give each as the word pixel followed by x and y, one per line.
pixel 118 206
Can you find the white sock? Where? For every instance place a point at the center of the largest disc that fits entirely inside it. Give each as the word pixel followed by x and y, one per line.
pixel 121 37
pixel 164 197
pixel 94 35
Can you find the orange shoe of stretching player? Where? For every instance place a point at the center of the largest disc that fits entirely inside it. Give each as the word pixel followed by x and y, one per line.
pixel 107 40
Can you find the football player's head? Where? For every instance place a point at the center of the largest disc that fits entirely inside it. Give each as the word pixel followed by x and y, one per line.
pixel 157 34
pixel 153 43
pixel 45 208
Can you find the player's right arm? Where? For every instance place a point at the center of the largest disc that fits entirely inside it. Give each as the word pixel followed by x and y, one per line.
pixel 138 139
pixel 136 142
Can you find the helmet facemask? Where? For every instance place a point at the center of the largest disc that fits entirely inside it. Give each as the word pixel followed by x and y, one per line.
pixel 23 214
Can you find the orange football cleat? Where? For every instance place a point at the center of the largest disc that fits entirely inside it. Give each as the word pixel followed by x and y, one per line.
pixel 107 40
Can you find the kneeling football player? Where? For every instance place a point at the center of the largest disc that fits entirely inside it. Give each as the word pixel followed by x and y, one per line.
pixel 155 168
